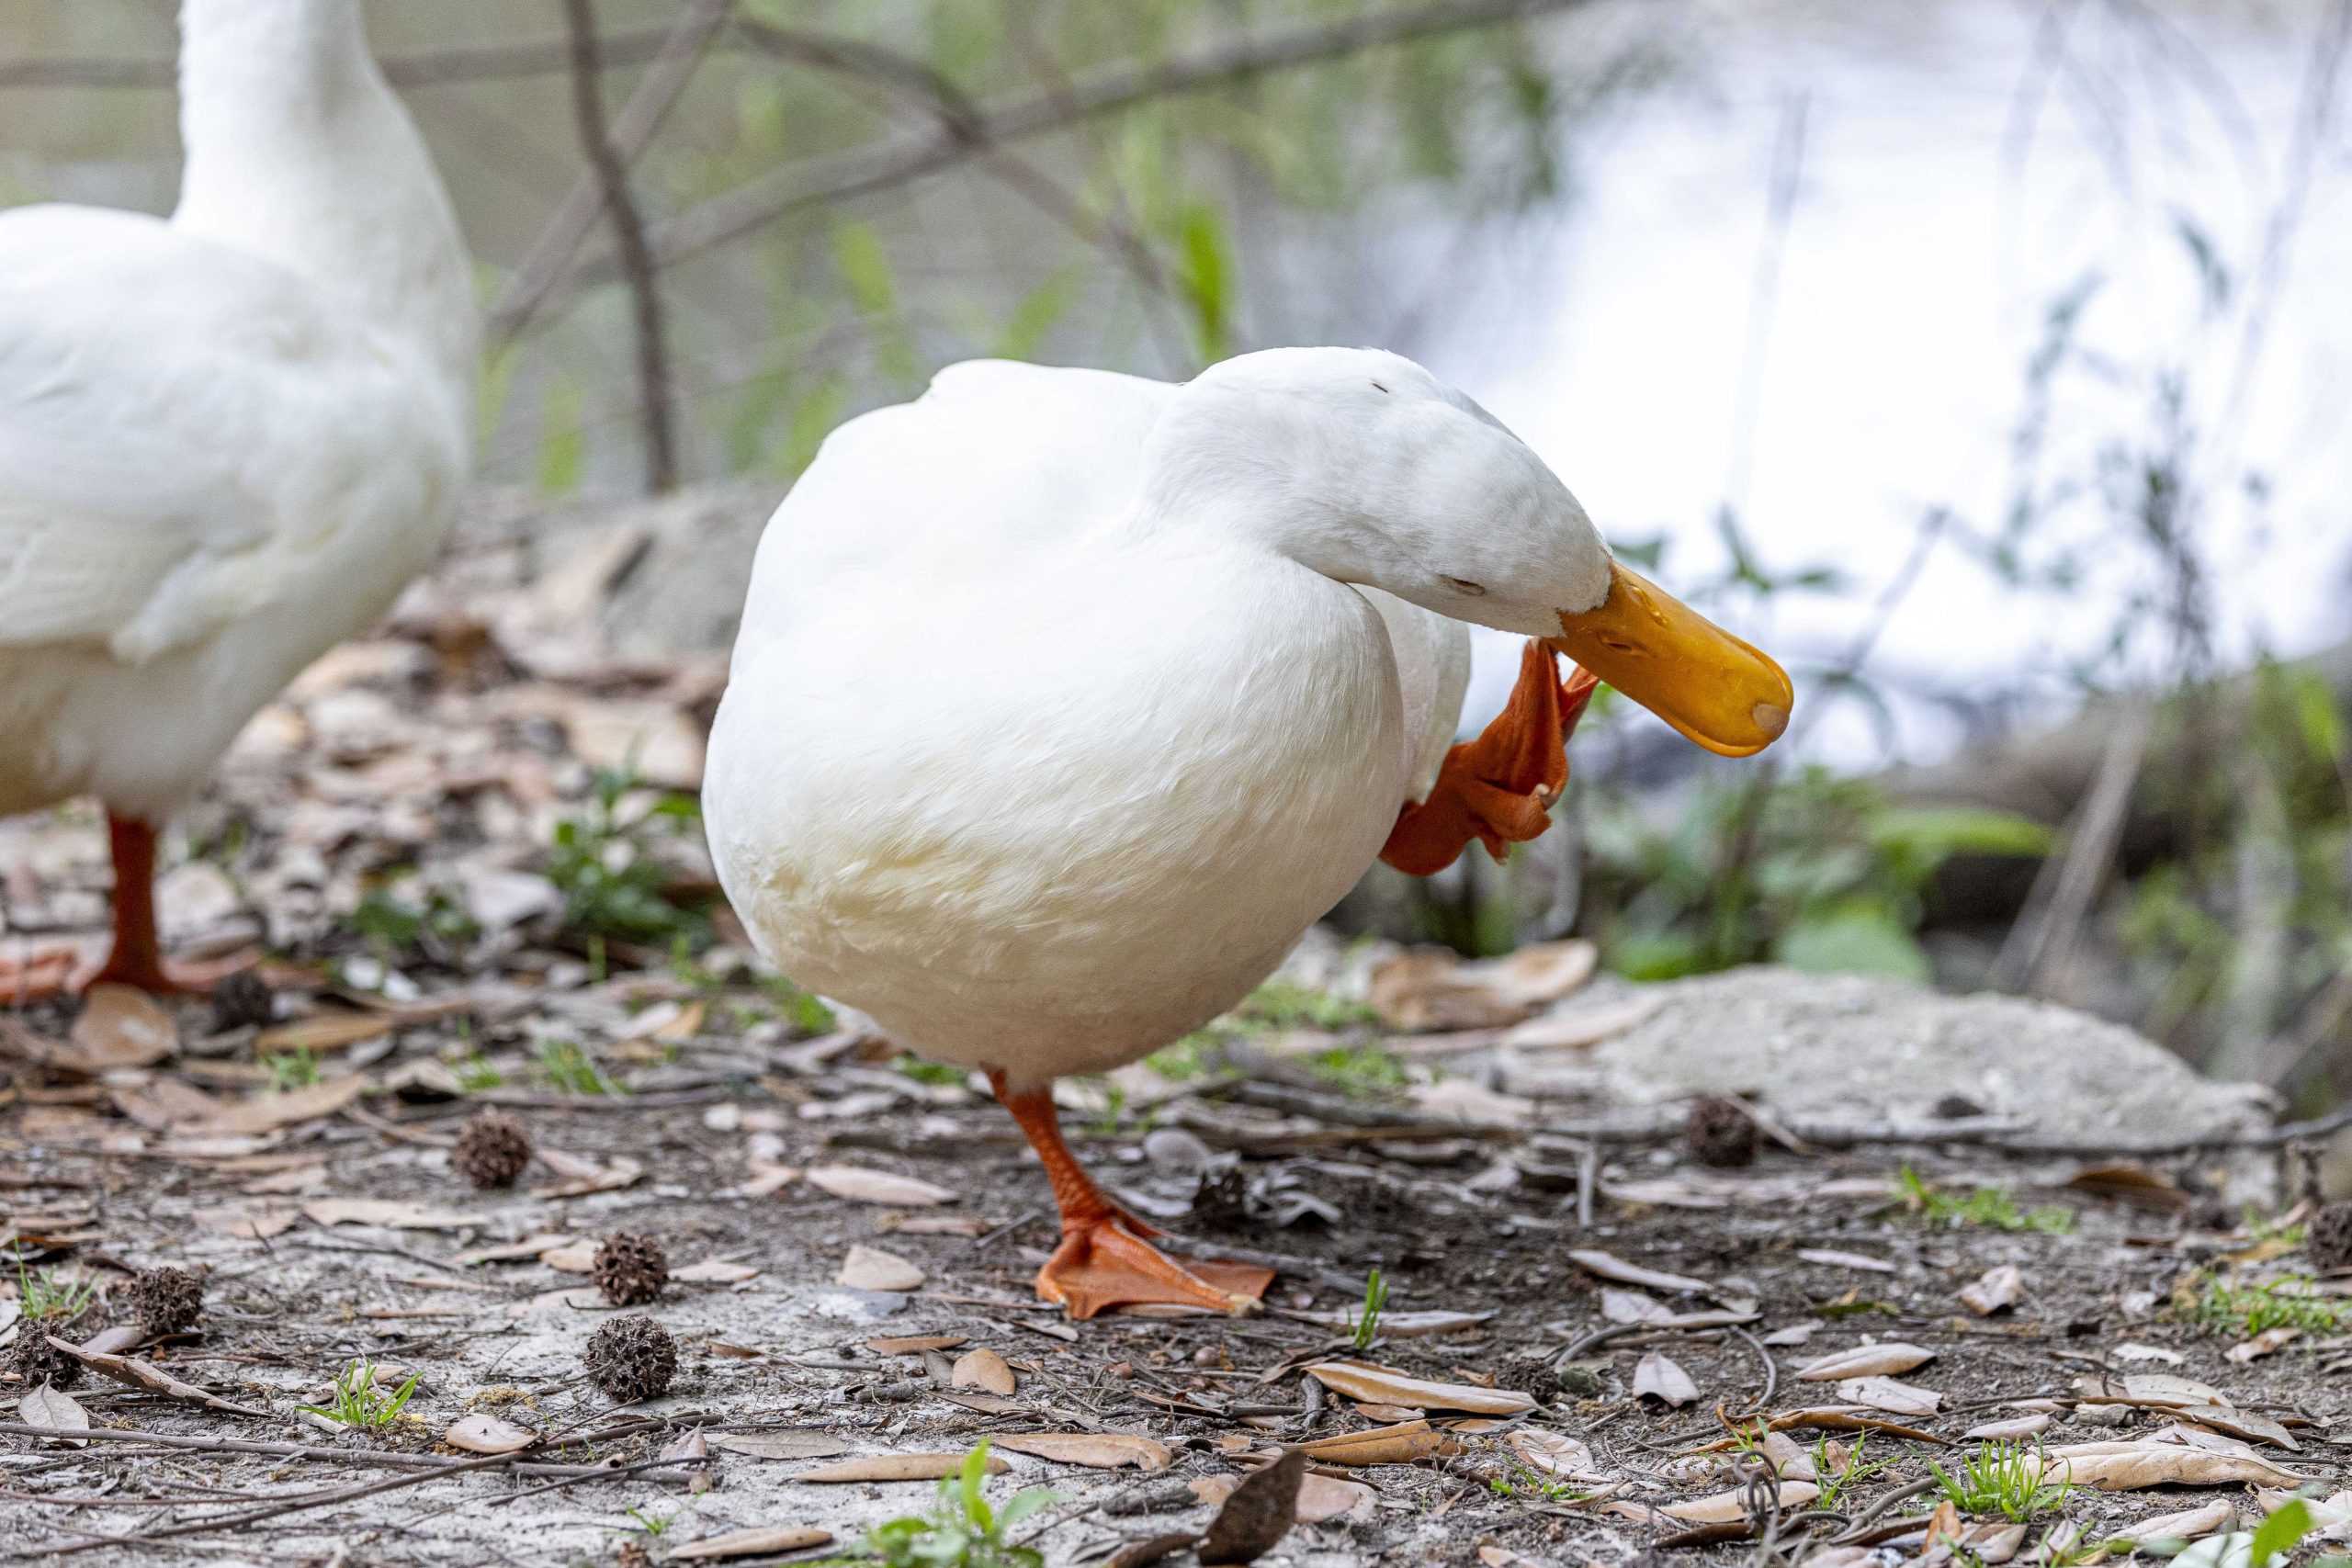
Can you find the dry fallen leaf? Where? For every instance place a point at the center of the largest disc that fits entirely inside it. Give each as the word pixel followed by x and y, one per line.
pixel 267 1113
pixel 1731 1507
pixel 2238 1424
pixel 780 1445
pixel 1362 1380
pixel 483 1434
pixel 915 1344
pixel 1864 1362
pixel 2131 1466
pixel 2263 1344
pixel 1399 1444
pixel 1999 1290
pixel 324 1032
pixel 396 1213
pixel 2188 1525
pixel 121 1026
pixel 149 1378
pixel 1662 1378
pixel 1095 1450
pixel 713 1272
pixel 2014 1430
pixel 863 1186
pixel 1611 1267
pixel 583 1176
pixel 761 1541
pixel 1258 1513
pixel 45 1406
pixel 1553 1453
pixel 984 1369
pixel 246 1225
pixel 871 1268
pixel 1893 1397
pixel 893 1467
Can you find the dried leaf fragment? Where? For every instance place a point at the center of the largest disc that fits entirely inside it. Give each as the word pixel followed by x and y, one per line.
pixel 1095 1450
pixel 485 1434
pixel 863 1186
pixel 121 1026
pixel 47 1406
pixel 1400 1444
pixel 984 1369
pixel 1611 1267
pixel 892 1467
pixel 1662 1378
pixel 1865 1361
pixel 1386 1385
pixel 1999 1290
pixel 871 1268
pixel 1259 1512
pixel 780 1445
pixel 760 1541
pixel 1731 1507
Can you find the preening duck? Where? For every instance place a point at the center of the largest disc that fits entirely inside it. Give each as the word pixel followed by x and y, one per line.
pixel 227 439
pixel 1065 701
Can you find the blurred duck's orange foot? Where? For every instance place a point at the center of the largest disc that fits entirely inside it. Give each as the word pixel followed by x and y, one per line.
pixel 135 958
pixel 1104 1259
pixel 1499 787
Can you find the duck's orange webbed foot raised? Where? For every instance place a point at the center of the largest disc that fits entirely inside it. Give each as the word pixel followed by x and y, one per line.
pixel 135 957
pixel 1105 1258
pixel 1499 787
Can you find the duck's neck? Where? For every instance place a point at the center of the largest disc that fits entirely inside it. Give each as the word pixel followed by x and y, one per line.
pixel 298 151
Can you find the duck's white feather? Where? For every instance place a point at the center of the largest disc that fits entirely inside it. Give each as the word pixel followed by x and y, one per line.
pixel 1036 788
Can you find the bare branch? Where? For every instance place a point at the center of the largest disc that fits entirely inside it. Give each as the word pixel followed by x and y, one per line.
pixel 657 93
pixel 628 236
pixel 538 57
pixel 866 169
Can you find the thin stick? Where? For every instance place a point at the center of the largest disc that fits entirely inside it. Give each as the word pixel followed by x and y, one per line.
pixel 654 397
pixel 632 130
pixel 362 1457
pixel 291 1505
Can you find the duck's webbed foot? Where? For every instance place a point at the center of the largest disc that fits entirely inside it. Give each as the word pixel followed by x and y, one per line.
pixel 1499 787
pixel 1104 1259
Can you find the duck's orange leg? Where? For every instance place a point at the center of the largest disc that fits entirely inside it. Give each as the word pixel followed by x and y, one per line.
pixel 1104 1259
pixel 1499 787
pixel 136 956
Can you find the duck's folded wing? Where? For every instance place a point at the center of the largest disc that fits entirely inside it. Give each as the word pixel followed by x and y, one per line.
pixel 151 388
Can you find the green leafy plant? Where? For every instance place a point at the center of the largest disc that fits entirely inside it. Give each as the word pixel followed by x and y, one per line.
pixel 291 1070
pixel 2244 1311
pixel 45 1296
pixel 2004 1479
pixel 941 1073
pixel 1834 1479
pixel 1359 1070
pixel 572 1070
pixel 1285 1004
pixel 361 1402
pixel 1521 1479
pixel 392 927
pixel 475 1073
pixel 1195 1055
pixel 962 1530
pixel 1985 1207
pixel 1364 1328
pixel 653 1524
pixel 612 885
pixel 2281 1532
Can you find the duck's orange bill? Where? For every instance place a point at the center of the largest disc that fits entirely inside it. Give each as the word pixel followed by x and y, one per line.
pixel 1717 690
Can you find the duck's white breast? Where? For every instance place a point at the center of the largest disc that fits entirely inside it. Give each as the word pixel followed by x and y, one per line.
pixel 1052 823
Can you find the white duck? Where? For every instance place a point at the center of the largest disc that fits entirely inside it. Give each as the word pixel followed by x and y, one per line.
pixel 227 439
pixel 1065 701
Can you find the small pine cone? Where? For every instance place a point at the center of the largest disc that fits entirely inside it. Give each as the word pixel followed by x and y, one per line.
pixel 36 1361
pixel 2328 1239
pixel 630 1269
pixel 492 1148
pixel 632 1555
pixel 631 1358
pixel 243 999
pixel 166 1300
pixel 1720 1133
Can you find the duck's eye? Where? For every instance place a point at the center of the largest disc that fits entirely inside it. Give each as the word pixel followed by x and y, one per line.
pixel 1461 585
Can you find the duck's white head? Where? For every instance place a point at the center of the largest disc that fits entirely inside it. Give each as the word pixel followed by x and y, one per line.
pixel 1362 466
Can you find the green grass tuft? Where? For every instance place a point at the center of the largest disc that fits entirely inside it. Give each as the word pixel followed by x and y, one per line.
pixel 962 1531
pixel 2004 1479
pixel 2244 1311
pixel 360 1401
pixel 1987 1208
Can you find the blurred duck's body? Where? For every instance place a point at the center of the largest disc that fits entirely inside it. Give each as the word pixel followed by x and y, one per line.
pixel 227 439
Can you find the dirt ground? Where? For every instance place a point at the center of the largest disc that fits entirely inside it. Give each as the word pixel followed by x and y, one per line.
pixel 1588 1333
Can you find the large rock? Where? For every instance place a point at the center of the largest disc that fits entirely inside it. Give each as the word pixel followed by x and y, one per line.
pixel 1848 1048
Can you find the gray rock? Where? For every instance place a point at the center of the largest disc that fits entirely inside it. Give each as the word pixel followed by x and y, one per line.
pixel 1846 1047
